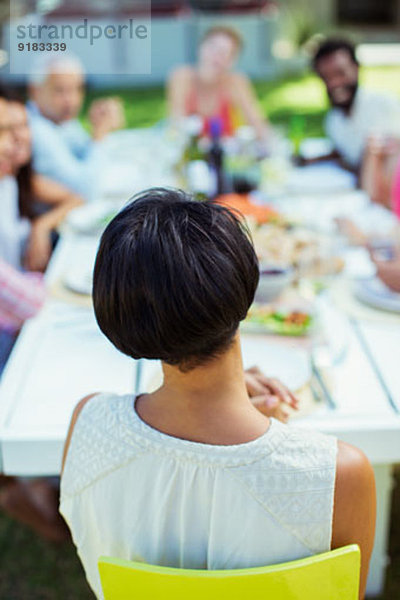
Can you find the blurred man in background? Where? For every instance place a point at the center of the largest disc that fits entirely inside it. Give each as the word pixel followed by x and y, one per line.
pixel 356 113
pixel 62 149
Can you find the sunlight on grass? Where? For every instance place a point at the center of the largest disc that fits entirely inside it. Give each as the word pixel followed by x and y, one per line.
pixel 305 95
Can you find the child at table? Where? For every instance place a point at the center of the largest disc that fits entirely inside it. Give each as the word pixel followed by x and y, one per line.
pixel 193 475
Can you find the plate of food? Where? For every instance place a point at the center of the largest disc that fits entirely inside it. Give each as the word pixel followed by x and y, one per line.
pixel 308 252
pixel 244 205
pixel 288 320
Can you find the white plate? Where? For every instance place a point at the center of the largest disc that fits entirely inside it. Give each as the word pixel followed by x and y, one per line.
pixel 373 292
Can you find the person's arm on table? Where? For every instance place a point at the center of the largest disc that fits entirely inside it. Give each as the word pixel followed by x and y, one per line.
pixel 62 200
pixel 354 510
pixel 51 192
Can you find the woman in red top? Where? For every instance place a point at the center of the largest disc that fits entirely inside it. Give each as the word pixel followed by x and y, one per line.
pixel 211 88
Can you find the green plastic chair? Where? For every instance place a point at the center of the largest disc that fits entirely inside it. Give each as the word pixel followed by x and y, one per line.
pixel 330 576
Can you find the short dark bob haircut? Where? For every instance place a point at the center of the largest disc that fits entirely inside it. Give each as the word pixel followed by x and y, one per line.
pixel 173 278
pixel 332 45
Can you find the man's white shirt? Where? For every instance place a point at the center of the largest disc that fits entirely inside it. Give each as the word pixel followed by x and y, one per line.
pixel 372 113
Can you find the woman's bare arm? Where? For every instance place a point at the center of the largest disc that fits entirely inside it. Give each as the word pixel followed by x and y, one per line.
pixel 62 201
pixel 49 191
pixel 178 90
pixel 354 505
pixel 246 100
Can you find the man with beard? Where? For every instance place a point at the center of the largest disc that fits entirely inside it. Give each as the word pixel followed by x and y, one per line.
pixel 357 113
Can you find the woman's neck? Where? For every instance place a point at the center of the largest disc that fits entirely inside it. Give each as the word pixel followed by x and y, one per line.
pixel 207 404
pixel 209 78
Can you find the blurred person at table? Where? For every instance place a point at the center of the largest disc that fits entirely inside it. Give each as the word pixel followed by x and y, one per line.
pixel 193 475
pixel 212 89
pixel 21 294
pixel 62 149
pixel 41 204
pixel 356 112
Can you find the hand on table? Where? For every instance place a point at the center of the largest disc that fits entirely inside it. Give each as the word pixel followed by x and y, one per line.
pixel 269 395
pixel 106 115
pixel 388 272
pixel 349 229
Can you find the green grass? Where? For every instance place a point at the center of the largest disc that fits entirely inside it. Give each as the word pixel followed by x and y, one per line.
pixel 32 569
pixel 280 99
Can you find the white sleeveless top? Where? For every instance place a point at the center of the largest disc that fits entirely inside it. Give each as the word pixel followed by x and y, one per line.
pixel 132 492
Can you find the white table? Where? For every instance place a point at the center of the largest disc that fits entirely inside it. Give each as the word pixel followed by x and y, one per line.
pixel 61 356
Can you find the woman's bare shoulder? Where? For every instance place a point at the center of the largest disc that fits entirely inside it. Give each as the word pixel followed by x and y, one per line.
pixel 239 79
pixel 183 73
pixel 352 462
pixel 77 411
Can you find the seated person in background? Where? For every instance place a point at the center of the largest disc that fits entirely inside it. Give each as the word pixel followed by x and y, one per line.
pixel 33 502
pixel 21 294
pixel 212 89
pixel 356 112
pixel 193 475
pixel 13 230
pixel 32 188
pixel 62 149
